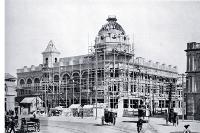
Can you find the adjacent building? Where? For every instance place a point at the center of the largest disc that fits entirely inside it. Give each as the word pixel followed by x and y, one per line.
pixel 110 73
pixel 192 91
pixel 10 92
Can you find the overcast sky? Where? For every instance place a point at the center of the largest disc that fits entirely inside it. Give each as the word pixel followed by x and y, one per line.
pixel 161 29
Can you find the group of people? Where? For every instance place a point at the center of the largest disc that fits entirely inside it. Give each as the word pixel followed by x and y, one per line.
pixel 11 121
pixel 172 117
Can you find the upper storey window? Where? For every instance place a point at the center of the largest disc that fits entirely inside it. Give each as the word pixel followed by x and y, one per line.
pixel 46 61
pixel 56 60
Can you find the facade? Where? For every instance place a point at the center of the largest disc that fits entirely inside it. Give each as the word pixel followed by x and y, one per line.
pixel 192 91
pixel 109 73
pixel 10 92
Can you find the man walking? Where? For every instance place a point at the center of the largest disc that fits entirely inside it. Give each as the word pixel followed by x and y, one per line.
pixel 12 125
pixel 139 125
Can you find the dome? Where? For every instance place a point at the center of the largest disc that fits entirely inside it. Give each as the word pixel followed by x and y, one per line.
pixel 111 27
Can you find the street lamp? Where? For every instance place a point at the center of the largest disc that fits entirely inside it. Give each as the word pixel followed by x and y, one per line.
pixel 73 90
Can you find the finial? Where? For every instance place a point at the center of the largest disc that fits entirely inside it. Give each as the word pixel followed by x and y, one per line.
pixel 111 18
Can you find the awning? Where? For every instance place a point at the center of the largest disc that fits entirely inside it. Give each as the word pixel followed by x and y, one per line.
pixel 88 106
pixel 75 106
pixel 30 100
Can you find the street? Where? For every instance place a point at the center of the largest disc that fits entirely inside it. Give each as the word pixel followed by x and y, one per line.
pixel 85 125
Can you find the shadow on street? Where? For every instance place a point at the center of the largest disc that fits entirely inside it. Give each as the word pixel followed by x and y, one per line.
pixel 164 125
pixel 130 121
pixel 182 132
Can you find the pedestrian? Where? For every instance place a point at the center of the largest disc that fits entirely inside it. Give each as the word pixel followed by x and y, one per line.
pixel 177 119
pixel 139 125
pixel 82 112
pixel 166 117
pixel 186 129
pixel 12 125
pixel 174 119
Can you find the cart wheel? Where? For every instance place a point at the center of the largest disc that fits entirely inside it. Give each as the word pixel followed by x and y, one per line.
pixel 102 120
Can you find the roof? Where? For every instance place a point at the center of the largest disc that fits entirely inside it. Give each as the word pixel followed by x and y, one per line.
pixel 51 48
pixel 9 76
pixel 29 99
pixel 111 26
pixel 75 106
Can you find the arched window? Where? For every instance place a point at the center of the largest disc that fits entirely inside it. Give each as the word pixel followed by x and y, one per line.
pixel 21 82
pixel 37 80
pixel 66 76
pixel 29 81
pixel 46 61
pixel 56 78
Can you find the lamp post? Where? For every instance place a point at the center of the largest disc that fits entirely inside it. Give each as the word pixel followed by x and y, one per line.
pixel 66 92
pixel 73 90
pixel 138 83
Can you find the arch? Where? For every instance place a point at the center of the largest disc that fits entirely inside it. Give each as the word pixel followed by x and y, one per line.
pixel 76 74
pixel 29 81
pixel 21 81
pixel 36 80
pixel 65 76
pixel 56 78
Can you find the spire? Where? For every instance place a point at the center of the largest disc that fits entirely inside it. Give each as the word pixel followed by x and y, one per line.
pixel 51 48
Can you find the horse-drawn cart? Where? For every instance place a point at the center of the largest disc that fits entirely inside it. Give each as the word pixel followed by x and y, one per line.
pixel 109 117
pixel 30 125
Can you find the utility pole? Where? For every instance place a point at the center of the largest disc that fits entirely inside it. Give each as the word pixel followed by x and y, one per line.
pixel 46 99
pixel 66 91
pixel 96 82
pixel 183 104
pixel 73 90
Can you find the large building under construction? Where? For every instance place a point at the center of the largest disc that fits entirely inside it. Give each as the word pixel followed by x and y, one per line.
pixel 109 73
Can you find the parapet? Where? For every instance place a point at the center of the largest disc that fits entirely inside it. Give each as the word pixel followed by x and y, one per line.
pixel 193 46
pixel 157 65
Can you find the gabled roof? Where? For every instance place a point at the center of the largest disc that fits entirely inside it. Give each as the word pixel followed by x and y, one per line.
pixel 30 99
pixel 51 48
pixel 9 76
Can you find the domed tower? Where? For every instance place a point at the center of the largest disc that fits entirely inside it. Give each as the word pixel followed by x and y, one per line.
pixel 113 56
pixel 50 55
pixel 113 36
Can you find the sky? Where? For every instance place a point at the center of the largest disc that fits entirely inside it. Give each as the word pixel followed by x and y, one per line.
pixel 161 29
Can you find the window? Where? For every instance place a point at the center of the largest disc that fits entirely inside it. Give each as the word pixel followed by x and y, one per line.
pixel 161 103
pixel 134 88
pixel 46 61
pixel 133 103
pixel 174 104
pixel 55 60
pixel 131 88
pixel 113 103
pixel 125 103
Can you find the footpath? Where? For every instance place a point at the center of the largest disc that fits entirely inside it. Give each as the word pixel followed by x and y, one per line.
pixel 155 125
pixel 159 125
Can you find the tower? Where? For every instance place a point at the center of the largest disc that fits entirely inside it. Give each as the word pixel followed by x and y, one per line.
pixel 192 92
pixel 50 55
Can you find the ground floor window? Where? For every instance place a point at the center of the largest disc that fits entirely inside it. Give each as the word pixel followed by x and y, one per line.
pixel 133 103
pixel 114 103
pixel 125 103
pixel 161 103
pixel 174 104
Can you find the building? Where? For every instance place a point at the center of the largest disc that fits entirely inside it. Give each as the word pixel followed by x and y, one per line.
pixel 192 91
pixel 30 104
pixel 109 74
pixel 10 92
